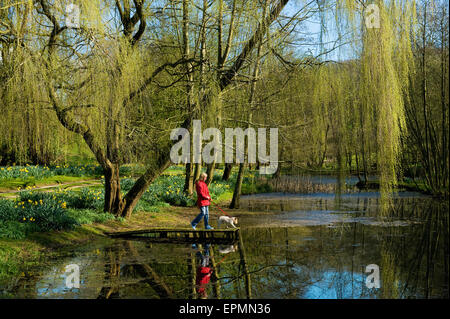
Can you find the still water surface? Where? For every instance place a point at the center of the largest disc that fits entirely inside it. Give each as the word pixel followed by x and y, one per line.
pixel 298 246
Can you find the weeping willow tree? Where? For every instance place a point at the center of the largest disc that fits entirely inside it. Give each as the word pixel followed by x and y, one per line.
pixel 384 46
pixel 90 75
pixel 360 100
pixel 319 116
pixel 106 77
pixel 24 138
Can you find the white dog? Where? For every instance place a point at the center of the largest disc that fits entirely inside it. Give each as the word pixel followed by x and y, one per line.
pixel 228 221
pixel 227 249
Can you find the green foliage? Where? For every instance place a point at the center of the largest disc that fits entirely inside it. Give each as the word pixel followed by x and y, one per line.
pixel 40 172
pixel 46 211
pixel 82 199
pixel 168 190
pixel 255 188
pixel 89 216
pixel 14 230
pixel 384 76
pixel 20 218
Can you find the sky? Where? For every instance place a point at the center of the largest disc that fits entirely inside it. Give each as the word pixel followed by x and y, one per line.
pixel 311 28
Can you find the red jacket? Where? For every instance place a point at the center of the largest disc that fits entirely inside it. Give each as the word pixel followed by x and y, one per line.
pixel 203 276
pixel 202 194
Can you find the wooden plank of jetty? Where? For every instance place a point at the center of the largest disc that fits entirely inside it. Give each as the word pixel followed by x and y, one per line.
pixel 186 233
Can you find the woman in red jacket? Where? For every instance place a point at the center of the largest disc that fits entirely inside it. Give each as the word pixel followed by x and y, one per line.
pixel 204 273
pixel 203 199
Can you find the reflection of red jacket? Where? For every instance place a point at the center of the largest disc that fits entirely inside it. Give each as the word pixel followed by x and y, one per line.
pixel 203 276
pixel 202 194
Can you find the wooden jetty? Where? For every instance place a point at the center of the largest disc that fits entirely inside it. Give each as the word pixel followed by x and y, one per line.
pixel 180 234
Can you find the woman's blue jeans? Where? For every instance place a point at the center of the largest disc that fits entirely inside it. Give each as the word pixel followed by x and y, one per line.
pixel 204 213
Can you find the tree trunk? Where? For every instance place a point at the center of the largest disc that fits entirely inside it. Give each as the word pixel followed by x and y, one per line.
pixel 210 171
pixel 235 202
pixel 188 183
pixel 444 87
pixel 277 173
pixel 142 184
pixel 227 171
pixel 113 197
pixel 189 180
pixel 197 172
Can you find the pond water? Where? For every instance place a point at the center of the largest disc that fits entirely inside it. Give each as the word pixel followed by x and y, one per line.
pixel 298 246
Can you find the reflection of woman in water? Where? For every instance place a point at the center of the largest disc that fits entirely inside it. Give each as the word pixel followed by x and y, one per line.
pixel 203 272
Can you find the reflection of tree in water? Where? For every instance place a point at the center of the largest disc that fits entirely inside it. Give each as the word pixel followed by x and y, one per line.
pixel 230 276
pixel 326 261
pixel 409 256
pixel 116 274
pixel 427 271
pixel 112 273
pixel 130 271
pixel 297 262
pixel 331 261
pixel 270 266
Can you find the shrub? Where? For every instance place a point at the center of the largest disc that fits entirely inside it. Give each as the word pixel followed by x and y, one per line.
pixel 89 216
pixel 13 229
pixel 82 199
pixel 86 199
pixel 46 211
pixel 7 211
pixel 18 218
pixel 165 189
pixel 39 172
